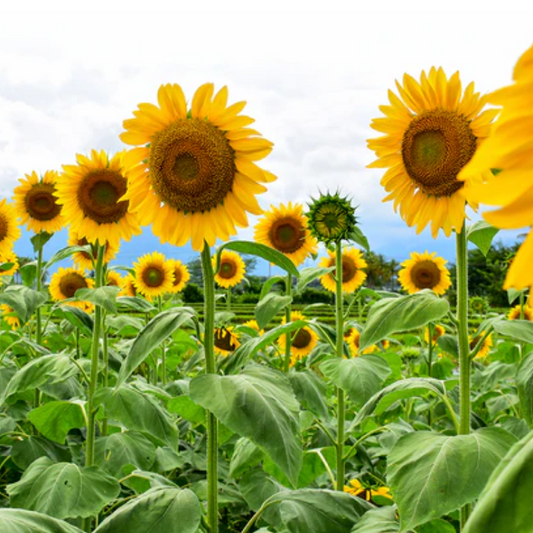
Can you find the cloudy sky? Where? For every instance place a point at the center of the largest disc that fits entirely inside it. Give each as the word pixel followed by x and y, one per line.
pixel 313 74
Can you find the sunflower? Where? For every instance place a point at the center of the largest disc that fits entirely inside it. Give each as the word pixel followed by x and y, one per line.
pixel 9 316
pixel 198 175
pixel 438 331
pixel 355 488
pixel 226 341
pixel 64 284
pixel 86 259
pixel 9 229
pixel 514 313
pixel 303 341
pixel 91 195
pixel 9 257
pixel 128 286
pixel 254 325
pixel 351 337
pixel 432 130
pixel 352 275
pixel 231 271
pixel 285 229
pixel 153 275
pixel 35 203
pixel 424 271
pixel 485 349
pixel 114 279
pixel 508 149
pixel 181 275
pixel 478 305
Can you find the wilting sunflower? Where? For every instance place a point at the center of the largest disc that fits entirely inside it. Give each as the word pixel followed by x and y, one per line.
pixel 303 341
pixel 485 349
pixel 352 274
pixel 438 331
pixel 432 130
pixel 153 275
pixel 12 258
pixel 199 177
pixel 509 149
pixel 85 259
pixel 355 488
pixel 181 275
pixel 91 195
pixel 128 286
pixel 351 337
pixel 64 284
pixel 231 271
pixel 424 271
pixel 514 313
pixel 35 203
pixel 114 279
pixel 9 316
pixel 285 229
pixel 226 341
pixel 9 229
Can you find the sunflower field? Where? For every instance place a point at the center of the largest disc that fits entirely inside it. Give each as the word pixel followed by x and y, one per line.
pixel 125 410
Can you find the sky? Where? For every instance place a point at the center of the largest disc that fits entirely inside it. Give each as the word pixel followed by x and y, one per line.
pixel 313 74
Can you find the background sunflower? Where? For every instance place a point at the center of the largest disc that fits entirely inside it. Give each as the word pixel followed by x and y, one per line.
pixel 153 275
pixel 424 271
pixel 352 274
pixel 226 341
pixel 514 313
pixel 85 259
pixel 64 284
pixel 231 271
pixel 9 229
pixel 303 341
pixel 181 275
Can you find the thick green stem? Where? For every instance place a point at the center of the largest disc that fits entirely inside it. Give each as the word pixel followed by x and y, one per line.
pixel 163 349
pixel 431 329
pixel 210 368
pixel 228 299
pixel 105 354
pixel 339 328
pixel 521 345
pixel 288 338
pixel 38 318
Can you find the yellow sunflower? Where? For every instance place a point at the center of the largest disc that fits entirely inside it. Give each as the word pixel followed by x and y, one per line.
pixel 198 174
pixel 438 331
pixel 285 229
pixel 9 257
pixel 35 203
pixel 9 229
pixel 351 337
pixel 424 271
pixel 514 313
pixel 128 286
pixel 85 259
pixel 226 341
pixel 253 325
pixel 231 271
pixel 181 275
pixel 114 279
pixel 9 316
pixel 153 275
pixel 431 131
pixel 509 149
pixel 64 284
pixel 91 195
pixel 355 488
pixel 485 349
pixel 303 341
pixel 352 274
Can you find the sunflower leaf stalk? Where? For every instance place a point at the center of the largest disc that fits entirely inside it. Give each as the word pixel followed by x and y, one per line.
pixel 288 311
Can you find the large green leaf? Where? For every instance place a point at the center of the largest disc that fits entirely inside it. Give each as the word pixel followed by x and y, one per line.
pixel 310 390
pixel 269 307
pixel 481 234
pixel 258 404
pixel 521 330
pixel 55 419
pixel 381 520
pixel 360 377
pixel 63 490
pixel 23 300
pixel 245 455
pixel 77 317
pixel 105 297
pixel 25 452
pixel 269 283
pixel 64 253
pixel 40 239
pixel 524 385
pixel 136 410
pixel 155 332
pixel 307 275
pixel 391 315
pixel 135 303
pixel 431 474
pixel 505 504
pixel 159 510
pixel 22 521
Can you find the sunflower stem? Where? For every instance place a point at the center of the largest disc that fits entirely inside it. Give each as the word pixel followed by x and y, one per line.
pixel 163 349
pixel 38 318
pixel 521 345
pixel 288 338
pixel 228 299
pixel 210 368
pixel 339 328
pixel 105 353
pixel 430 361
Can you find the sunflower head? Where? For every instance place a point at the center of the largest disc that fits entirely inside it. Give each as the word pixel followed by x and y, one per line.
pixel 514 313
pixel 353 274
pixel 487 344
pixel 285 229
pixel 252 324
pixel 478 305
pixel 9 229
pixel 153 275
pixel 331 218
pixel 181 275
pixel 128 286
pixel 36 204
pixel 303 341
pixel 114 279
pixel 9 316
pixel 9 258
pixel 431 130
pixel 226 340
pixel 231 270
pixel 351 337
pixel 64 284
pixel 87 259
pixel 424 271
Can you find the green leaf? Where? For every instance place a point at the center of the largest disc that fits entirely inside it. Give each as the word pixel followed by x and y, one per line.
pixel 23 300
pixel 481 234
pixel 64 253
pixel 40 239
pixel 521 330
pixel 269 283
pixel 187 409
pixel 360 377
pixel 155 332
pixel 136 410
pixel 436 526
pixel 448 343
pixel 134 303
pixel 25 452
pixel 104 297
pixel 269 307
pixel 358 237
pixel 513 294
pixel 524 385
pixel 77 317
pixel 258 404
pixel 55 419
pixel 245 455
pixel 311 391
pixel 307 275
pixel 160 510
pixel 63 490
pixel 432 475
pixel 259 250
pixel 22 521
pixel 28 273
pixel 392 315
pixel 381 520
pixel 505 504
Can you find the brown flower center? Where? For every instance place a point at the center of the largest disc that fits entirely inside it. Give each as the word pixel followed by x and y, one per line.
pixel 302 339
pixel 153 276
pixel 177 277
pixel 99 194
pixel 227 269
pixel 425 275
pixel 4 227
pixel 40 202
pixel 224 340
pixel 287 235
pixel 435 147
pixel 192 165
pixel 70 283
